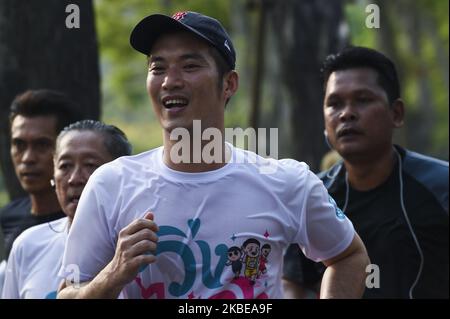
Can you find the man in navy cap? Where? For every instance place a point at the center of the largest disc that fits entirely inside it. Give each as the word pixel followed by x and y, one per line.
pixel 154 225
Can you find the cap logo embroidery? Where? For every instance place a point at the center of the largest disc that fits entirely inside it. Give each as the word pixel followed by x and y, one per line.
pixel 179 15
pixel 226 45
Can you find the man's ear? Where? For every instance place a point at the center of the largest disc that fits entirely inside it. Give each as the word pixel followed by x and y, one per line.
pixel 230 84
pixel 398 113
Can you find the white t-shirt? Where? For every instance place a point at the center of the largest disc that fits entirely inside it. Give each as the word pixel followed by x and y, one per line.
pixel 222 233
pixel 2 275
pixel 34 262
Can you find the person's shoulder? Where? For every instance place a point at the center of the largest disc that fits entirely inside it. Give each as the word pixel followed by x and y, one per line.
pixel 294 167
pixel 253 163
pixel 290 171
pixel 429 172
pixel 126 166
pixel 423 162
pixel 425 169
pixel 296 174
pixel 21 201
pixel 18 204
pixel 54 226
pixel 331 175
pixel 38 235
pixel 242 156
pixel 140 158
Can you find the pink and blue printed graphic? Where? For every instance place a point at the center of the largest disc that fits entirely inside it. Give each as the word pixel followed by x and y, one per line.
pixel 248 265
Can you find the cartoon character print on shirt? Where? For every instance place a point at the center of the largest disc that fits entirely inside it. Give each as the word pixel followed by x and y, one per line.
pixel 251 259
pixel 210 274
pixel 250 255
pixel 265 251
pixel 235 260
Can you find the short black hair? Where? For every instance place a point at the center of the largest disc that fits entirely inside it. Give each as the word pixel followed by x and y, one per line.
pixel 234 248
pixel 115 140
pixel 222 67
pixel 360 57
pixel 251 241
pixel 45 102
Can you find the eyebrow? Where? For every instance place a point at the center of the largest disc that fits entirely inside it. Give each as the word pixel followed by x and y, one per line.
pixel 331 96
pixel 32 141
pixel 88 156
pixel 357 91
pixel 187 56
pixel 364 90
pixel 44 139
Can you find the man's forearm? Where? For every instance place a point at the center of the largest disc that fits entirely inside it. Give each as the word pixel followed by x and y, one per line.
pixel 101 287
pixel 345 279
pixel 345 275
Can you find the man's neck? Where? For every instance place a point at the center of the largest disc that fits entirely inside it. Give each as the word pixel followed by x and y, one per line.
pixel 44 203
pixel 199 154
pixel 366 175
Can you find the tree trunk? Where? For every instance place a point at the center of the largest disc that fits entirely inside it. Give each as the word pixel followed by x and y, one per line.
pixel 37 50
pixel 305 33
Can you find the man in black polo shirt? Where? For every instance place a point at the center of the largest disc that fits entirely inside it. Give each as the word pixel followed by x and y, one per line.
pixel 396 199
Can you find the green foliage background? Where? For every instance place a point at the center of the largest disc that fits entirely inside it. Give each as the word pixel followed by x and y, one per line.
pixel 125 102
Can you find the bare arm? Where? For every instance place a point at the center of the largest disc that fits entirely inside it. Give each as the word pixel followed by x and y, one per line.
pixel 133 244
pixel 345 274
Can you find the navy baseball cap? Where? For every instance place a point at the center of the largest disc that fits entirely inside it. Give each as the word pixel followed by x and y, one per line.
pixel 147 31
